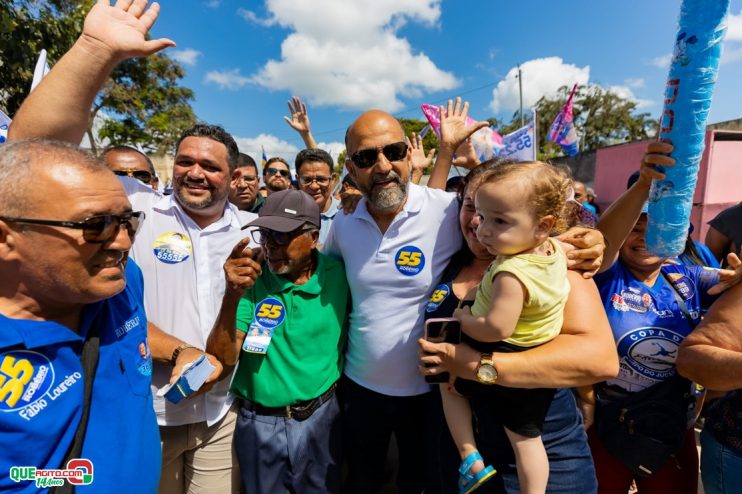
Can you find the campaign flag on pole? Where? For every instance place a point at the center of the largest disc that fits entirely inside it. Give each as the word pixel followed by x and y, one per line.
pixel 4 124
pixel 521 144
pixel 563 131
pixel 42 68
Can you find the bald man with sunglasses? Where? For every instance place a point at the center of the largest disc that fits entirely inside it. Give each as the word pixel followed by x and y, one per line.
pixel 182 246
pixel 75 363
pixel 395 246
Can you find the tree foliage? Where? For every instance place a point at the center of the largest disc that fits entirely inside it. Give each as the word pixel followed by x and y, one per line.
pixel 602 118
pixel 143 101
pixel 147 103
pixel 27 26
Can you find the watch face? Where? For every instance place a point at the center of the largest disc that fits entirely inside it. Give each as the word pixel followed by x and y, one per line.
pixel 486 373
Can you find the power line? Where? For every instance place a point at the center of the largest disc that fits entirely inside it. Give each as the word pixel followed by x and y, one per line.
pixel 405 111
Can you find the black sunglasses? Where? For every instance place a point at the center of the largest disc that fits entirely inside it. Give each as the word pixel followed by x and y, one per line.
pixel 97 229
pixel 141 175
pixel 263 235
pixel 277 171
pixel 366 158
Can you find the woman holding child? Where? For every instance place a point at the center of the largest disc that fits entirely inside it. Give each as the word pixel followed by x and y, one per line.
pixel 581 354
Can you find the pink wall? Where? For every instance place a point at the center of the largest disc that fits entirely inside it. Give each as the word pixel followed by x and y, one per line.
pixel 613 167
pixel 719 178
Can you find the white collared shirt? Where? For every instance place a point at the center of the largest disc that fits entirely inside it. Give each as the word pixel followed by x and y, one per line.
pixel 326 220
pixel 390 278
pixel 183 287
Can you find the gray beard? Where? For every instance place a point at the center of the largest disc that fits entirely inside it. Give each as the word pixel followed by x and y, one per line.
pixel 387 199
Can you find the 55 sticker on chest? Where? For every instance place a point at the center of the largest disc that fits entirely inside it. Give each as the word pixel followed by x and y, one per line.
pixel 409 260
pixel 269 314
pixel 173 247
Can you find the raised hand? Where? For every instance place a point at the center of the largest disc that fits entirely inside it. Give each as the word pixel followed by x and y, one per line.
pixel 299 120
pixel 657 155
pixel 466 156
pixel 420 161
pixel 122 29
pixel 453 125
pixel 242 268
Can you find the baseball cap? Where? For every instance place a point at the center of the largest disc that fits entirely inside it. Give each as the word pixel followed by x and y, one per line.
pixel 287 210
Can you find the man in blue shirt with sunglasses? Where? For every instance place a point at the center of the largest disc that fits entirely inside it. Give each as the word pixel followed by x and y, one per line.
pixel 181 247
pixel 68 282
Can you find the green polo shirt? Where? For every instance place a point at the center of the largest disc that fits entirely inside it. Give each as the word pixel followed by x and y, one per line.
pixel 305 355
pixel 259 201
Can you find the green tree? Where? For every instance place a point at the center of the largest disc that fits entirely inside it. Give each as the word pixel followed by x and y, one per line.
pixel 143 102
pixel 148 105
pixel 27 26
pixel 341 162
pixel 602 118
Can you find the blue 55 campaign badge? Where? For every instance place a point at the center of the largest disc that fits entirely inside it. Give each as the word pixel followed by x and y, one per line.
pixel 437 297
pixel 269 314
pixel 173 247
pixel 409 260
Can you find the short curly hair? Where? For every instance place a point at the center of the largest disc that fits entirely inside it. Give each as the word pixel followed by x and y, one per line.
pixel 218 134
pixel 547 187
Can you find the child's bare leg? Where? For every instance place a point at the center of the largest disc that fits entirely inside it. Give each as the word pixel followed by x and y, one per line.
pixel 458 418
pixel 531 462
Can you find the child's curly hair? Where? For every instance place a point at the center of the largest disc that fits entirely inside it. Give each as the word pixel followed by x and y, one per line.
pixel 547 188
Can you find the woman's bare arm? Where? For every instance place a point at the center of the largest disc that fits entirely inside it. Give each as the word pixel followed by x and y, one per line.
pixel 584 352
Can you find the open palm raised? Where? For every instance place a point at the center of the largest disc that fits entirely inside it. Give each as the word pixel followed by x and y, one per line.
pixel 122 28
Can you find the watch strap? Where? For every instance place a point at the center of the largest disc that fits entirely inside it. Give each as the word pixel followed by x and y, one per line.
pixel 177 351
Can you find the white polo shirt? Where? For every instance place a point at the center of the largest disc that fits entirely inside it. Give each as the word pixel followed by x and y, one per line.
pixel 390 278
pixel 183 286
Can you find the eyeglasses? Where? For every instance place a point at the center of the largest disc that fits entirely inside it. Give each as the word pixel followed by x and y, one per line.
pixel 321 181
pixel 248 178
pixel 141 175
pixel 263 235
pixel 366 158
pixel 277 171
pixel 97 229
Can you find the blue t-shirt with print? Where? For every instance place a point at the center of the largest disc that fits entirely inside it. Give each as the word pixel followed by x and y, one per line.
pixel 647 322
pixel 41 395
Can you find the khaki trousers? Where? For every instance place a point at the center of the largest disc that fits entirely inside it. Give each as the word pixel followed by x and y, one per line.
pixel 197 459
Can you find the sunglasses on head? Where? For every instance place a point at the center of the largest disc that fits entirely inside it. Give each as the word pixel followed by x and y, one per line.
pixel 366 158
pixel 96 229
pixel 277 171
pixel 263 235
pixel 141 175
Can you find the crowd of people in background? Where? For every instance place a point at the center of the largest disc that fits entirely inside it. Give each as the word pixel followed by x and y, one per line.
pixel 571 358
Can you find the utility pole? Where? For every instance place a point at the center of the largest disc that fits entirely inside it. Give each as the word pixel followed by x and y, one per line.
pixel 520 91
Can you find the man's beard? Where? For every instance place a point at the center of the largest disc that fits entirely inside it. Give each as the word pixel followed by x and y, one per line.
pixel 387 198
pixel 272 188
pixel 212 198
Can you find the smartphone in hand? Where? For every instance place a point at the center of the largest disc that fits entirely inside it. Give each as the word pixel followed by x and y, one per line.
pixel 442 330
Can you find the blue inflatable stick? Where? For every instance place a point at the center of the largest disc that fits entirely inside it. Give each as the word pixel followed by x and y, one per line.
pixel 690 85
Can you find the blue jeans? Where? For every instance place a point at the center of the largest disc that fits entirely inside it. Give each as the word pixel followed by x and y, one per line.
pixel 281 455
pixel 721 467
pixel 571 466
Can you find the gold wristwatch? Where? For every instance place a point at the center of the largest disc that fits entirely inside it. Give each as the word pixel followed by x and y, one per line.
pixel 486 371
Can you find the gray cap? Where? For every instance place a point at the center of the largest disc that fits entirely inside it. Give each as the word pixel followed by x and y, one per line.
pixel 287 210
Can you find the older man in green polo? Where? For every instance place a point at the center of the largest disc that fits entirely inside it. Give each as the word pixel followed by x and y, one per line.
pixel 286 326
